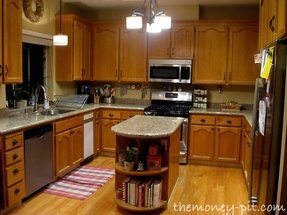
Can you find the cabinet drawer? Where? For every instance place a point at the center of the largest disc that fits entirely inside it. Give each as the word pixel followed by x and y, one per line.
pixel 13 140
pixel 69 123
pixel 111 114
pixel 228 121
pixel 15 193
pixel 129 114
pixel 14 156
pixel 203 119
pixel 15 173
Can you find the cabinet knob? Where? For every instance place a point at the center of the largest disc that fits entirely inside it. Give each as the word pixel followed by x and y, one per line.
pixel 167 51
pixel 16 191
pixel 172 51
pixel 111 115
pixel 15 171
pixel 6 70
pixel 15 156
pixel 72 132
pixel 14 142
pixel 218 129
pixel 229 122
pixel 202 120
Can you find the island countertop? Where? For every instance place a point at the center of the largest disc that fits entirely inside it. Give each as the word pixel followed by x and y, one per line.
pixel 147 126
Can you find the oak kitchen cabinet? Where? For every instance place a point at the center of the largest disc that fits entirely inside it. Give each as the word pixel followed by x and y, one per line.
pixel 119 54
pixel 272 21
pixel 12 181
pixel 210 135
pixel 69 146
pixel 175 43
pixel 111 117
pixel 97 131
pixel 245 155
pixel 227 58
pixel 11 49
pixel 73 62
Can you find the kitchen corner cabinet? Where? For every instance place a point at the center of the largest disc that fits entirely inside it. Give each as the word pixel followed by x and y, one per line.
pixel 119 54
pixel 69 146
pixel 214 138
pixel 11 42
pixel 272 21
pixel 227 58
pixel 73 62
pixel 12 180
pixel 176 43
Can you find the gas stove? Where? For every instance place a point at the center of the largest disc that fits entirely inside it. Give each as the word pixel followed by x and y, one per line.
pixel 166 103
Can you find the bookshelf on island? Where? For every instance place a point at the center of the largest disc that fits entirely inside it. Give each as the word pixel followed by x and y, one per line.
pixel 153 143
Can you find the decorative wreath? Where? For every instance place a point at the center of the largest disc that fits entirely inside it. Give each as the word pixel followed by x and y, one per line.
pixel 33 15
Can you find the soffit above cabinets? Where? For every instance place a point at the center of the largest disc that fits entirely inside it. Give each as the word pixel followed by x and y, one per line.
pixel 138 3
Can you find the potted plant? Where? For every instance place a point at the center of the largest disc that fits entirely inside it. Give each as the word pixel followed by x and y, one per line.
pixel 17 97
pixel 130 156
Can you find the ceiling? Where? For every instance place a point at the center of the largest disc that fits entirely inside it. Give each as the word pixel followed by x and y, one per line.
pixel 138 3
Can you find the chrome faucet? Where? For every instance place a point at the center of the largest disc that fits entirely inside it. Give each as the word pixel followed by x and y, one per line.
pixel 36 97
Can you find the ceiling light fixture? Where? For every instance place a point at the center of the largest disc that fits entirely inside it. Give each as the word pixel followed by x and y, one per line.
pixel 60 39
pixel 156 21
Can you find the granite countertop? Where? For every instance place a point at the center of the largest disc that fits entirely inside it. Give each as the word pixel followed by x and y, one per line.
pixel 18 121
pixel 147 126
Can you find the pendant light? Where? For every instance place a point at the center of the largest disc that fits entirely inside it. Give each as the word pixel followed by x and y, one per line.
pixel 60 39
pixel 156 20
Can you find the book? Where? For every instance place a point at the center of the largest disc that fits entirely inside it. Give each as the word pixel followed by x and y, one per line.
pixel 156 195
pixel 125 186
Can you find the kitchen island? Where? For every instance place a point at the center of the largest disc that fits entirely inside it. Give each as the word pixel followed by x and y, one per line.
pixel 156 140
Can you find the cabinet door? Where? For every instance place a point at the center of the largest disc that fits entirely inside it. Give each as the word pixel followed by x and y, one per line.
pixel 78 50
pixel 280 11
pixel 133 55
pixel 77 146
pixel 62 149
pixel 227 144
pixel 182 40
pixel 108 137
pixel 97 136
pixel 87 44
pixel 210 54
pixel 159 45
pixel 1 47
pixel 12 35
pixel 105 52
pixel 201 142
pixel 242 45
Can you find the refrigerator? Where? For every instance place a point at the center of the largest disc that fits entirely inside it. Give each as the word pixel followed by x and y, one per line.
pixel 267 125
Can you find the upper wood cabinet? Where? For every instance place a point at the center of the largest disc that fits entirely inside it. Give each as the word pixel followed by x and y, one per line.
pixel 73 62
pixel 227 58
pixel 174 43
pixel 210 60
pixel 272 21
pixel 11 42
pixel 119 54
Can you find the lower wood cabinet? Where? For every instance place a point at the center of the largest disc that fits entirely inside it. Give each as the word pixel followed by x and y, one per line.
pixel 214 138
pixel 68 144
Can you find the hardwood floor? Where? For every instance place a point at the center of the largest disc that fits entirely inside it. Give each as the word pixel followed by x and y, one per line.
pixel 204 186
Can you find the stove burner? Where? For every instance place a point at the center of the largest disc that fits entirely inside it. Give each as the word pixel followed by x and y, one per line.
pixel 168 110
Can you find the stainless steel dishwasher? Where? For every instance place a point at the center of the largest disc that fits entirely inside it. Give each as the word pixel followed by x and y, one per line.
pixel 38 158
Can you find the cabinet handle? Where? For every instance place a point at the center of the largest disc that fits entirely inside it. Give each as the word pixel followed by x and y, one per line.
pixel 111 115
pixel 167 51
pixel 121 73
pixel 6 69
pixel 212 129
pixel 15 171
pixel 16 191
pixel 72 132
pixel 172 51
pixel 15 156
pixel 1 70
pixel 224 77
pixel 218 129
pixel 271 24
pixel 116 73
pixel 202 120
pixel 229 76
pixel 229 122
pixel 14 142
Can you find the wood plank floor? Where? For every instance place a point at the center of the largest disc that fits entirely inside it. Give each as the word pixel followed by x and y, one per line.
pixel 197 185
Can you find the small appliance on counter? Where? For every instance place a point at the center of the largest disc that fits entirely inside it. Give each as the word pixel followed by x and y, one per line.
pixel 85 89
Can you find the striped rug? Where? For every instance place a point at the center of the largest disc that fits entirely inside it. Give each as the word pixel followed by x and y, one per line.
pixel 81 183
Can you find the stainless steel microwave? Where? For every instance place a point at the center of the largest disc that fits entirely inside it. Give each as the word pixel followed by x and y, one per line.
pixel 170 70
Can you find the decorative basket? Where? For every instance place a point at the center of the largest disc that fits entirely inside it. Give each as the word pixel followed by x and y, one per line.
pixel 231 107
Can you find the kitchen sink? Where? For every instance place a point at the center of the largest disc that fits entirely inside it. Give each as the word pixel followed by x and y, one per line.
pixel 53 112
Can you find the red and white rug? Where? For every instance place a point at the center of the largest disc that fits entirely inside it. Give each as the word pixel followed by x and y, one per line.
pixel 81 183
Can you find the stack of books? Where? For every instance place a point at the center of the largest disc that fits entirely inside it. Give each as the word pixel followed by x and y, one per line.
pixel 142 192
